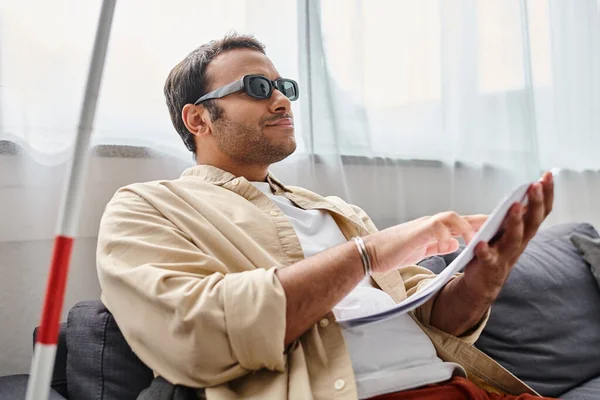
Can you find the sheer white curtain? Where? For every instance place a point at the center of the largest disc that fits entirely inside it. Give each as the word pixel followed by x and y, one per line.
pixel 44 56
pixel 490 92
pixel 45 49
pixel 567 110
pixel 509 83
pixel 407 107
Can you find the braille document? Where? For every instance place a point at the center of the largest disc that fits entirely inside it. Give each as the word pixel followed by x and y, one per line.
pixel 488 230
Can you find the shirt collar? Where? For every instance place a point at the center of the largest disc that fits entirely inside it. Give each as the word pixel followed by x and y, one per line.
pixel 219 177
pixel 275 184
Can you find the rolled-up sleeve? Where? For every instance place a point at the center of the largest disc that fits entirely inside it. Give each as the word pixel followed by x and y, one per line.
pixel 417 278
pixel 249 306
pixel 180 311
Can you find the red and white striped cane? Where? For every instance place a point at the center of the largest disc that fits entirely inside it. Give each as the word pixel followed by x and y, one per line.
pixel 38 387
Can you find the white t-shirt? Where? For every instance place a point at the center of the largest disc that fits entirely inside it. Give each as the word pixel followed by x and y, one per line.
pixel 379 367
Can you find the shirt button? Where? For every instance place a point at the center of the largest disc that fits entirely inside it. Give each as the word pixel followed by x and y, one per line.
pixel 235 182
pixel 274 213
pixel 324 322
pixel 339 384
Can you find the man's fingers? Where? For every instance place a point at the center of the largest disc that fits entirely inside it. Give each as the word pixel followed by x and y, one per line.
pixel 536 210
pixel 485 253
pixel 455 225
pixel 548 189
pixel 439 231
pixel 476 221
pixel 446 247
pixel 511 242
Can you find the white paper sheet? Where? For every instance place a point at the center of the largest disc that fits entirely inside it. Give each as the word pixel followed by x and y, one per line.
pixel 486 233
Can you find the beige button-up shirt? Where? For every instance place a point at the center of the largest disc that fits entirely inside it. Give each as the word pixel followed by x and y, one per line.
pixel 187 268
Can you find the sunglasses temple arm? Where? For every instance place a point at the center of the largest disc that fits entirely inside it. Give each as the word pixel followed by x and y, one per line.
pixel 222 92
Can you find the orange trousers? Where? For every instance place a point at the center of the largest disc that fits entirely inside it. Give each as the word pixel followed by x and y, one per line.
pixel 458 388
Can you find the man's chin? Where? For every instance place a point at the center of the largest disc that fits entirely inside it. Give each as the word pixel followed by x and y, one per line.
pixel 283 155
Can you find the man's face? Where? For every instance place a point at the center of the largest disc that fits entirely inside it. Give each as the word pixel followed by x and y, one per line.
pixel 250 131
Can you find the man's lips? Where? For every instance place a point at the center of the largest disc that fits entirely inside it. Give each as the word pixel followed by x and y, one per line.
pixel 282 122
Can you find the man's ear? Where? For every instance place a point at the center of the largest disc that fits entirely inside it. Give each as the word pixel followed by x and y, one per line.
pixel 196 120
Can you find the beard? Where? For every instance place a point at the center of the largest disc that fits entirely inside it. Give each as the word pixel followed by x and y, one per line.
pixel 249 145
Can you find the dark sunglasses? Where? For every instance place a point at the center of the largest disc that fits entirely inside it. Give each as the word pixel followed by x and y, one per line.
pixel 257 86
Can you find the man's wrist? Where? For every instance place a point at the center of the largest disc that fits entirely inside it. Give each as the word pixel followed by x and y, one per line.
pixel 477 289
pixel 459 307
pixel 364 255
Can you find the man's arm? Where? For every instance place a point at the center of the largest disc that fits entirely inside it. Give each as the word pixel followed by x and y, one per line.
pixel 463 302
pixel 315 285
pixel 182 311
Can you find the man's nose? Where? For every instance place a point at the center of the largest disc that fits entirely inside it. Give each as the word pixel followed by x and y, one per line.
pixel 279 103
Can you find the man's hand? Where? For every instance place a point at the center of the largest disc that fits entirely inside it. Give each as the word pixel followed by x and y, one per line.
pixel 410 242
pixel 492 264
pixel 464 301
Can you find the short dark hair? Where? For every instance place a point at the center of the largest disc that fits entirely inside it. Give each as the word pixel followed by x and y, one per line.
pixel 187 82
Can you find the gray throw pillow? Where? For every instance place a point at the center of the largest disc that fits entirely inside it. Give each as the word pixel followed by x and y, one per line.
pixel 100 363
pixel 545 325
pixel 590 247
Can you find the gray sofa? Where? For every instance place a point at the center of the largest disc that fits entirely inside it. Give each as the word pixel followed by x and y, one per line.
pixel 544 327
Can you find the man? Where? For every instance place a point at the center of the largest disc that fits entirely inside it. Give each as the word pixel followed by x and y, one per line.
pixel 229 280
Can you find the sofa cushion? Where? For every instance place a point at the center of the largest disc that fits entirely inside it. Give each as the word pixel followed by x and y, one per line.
pixel 59 373
pixel 15 387
pixel 547 316
pixel 100 363
pixel 590 390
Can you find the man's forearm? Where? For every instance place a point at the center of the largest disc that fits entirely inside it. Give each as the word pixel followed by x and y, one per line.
pixel 458 307
pixel 315 285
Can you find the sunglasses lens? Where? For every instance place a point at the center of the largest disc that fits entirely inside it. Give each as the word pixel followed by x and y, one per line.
pixel 288 88
pixel 259 87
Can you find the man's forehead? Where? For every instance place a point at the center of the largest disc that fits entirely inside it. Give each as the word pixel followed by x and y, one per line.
pixel 232 65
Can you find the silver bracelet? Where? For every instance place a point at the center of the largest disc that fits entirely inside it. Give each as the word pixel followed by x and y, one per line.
pixel 364 256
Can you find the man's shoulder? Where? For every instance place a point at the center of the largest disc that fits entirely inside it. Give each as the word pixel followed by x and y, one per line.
pixel 141 189
pixel 152 191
